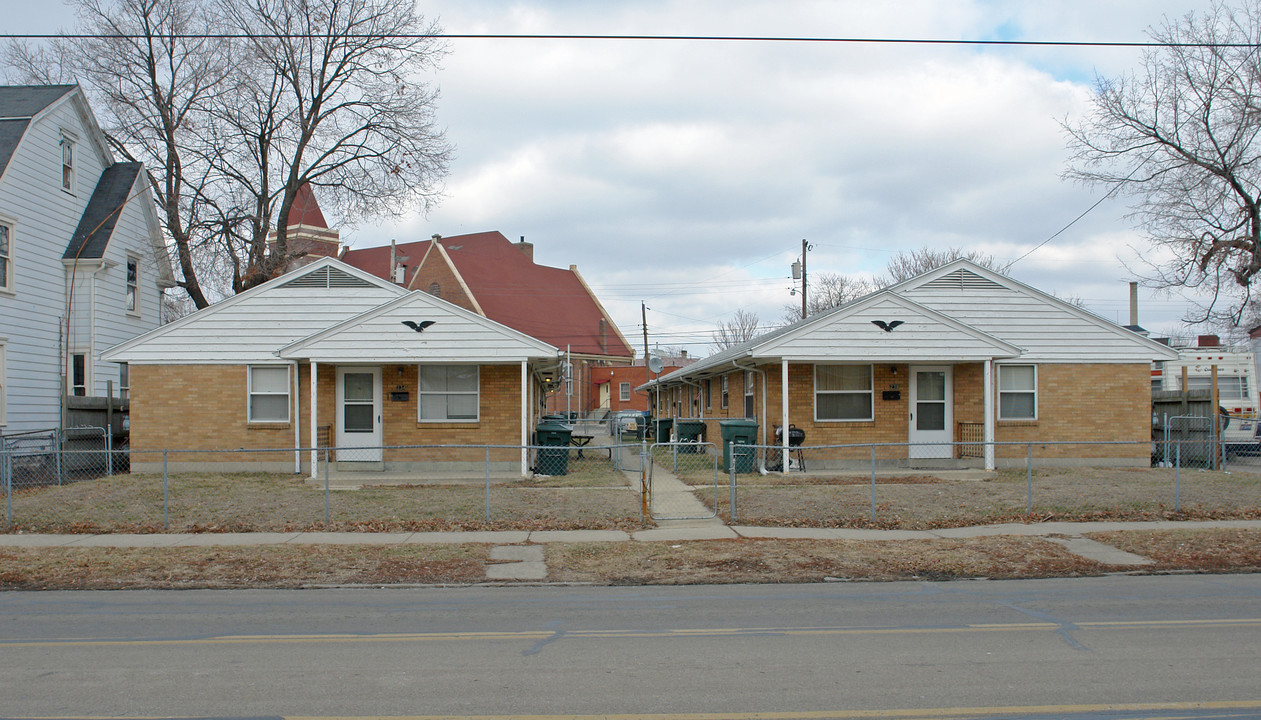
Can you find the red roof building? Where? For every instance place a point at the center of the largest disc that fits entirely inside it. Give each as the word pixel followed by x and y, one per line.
pixel 497 278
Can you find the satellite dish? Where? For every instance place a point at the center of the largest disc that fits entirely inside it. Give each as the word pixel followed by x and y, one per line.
pixel 655 365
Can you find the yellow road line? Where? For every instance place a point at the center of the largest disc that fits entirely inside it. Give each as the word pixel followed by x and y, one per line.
pixel 957 713
pixel 532 635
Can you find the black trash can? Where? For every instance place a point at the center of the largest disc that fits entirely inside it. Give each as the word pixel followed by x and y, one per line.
pixel 738 432
pixel 689 432
pixel 553 457
pixel 661 429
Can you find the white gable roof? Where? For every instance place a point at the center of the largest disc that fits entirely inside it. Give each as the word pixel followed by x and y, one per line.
pixel 254 325
pixel 448 334
pixel 851 335
pixel 1046 328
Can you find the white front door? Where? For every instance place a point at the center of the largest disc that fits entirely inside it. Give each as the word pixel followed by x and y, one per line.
pixel 931 413
pixel 359 414
pixel 604 395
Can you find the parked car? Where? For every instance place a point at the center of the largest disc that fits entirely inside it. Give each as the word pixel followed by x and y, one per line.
pixel 626 422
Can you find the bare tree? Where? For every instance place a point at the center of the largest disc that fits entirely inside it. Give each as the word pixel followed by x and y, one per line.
pixel 319 92
pixel 742 327
pixel 826 291
pixel 907 264
pixel 1181 137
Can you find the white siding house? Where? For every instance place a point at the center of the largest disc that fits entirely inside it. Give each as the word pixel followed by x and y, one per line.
pixel 82 260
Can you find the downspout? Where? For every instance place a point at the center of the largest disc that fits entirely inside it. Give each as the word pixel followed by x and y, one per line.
pixel 761 425
pixel 783 447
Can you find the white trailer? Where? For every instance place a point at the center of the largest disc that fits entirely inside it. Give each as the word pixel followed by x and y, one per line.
pixel 1236 385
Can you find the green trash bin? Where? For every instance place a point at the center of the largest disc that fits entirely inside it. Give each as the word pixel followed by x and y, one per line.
pixel 553 456
pixel 661 429
pixel 738 432
pixel 690 432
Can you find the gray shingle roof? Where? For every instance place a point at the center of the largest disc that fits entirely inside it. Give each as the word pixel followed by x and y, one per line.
pixel 96 226
pixel 18 104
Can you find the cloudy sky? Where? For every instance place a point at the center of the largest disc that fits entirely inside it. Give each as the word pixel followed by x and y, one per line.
pixel 685 175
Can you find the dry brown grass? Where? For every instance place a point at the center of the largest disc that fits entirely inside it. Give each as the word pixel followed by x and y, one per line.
pixel 926 502
pixel 259 502
pixel 1206 550
pixel 238 567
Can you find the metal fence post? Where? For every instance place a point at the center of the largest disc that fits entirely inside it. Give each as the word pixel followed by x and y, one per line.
pixel 58 443
pixel 166 495
pixel 487 483
pixel 1177 479
pixel 109 454
pixel 732 468
pixel 327 509
pixel 873 483
pixel 6 473
pixel 1029 481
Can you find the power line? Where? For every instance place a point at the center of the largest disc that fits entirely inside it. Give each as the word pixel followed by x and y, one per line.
pixel 666 38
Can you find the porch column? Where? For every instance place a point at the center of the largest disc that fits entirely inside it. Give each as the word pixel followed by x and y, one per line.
pixel 989 413
pixel 525 417
pixel 296 389
pixel 783 422
pixel 315 453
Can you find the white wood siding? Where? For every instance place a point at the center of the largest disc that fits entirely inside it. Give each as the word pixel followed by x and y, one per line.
pixel 44 218
pixel 455 336
pixel 247 329
pixel 1046 332
pixel 851 337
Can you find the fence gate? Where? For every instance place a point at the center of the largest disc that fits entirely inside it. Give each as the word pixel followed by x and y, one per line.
pixel 1195 440
pixel 683 481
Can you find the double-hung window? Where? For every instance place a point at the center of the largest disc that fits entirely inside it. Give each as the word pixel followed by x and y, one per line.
pixel 133 285
pixel 6 256
pixel 843 392
pixel 449 393
pixel 67 163
pixel 624 392
pixel 709 395
pixel 1017 392
pixel 724 394
pixel 269 393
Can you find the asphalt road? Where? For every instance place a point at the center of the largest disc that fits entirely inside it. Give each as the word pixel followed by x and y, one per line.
pixel 1184 646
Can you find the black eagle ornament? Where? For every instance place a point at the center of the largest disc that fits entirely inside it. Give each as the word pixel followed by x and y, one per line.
pixel 886 326
pixel 418 326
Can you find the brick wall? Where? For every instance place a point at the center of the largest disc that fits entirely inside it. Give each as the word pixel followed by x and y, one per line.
pixel 205 407
pixel 1076 403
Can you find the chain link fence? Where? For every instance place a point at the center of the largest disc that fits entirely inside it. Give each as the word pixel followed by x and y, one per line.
pixel 73 484
pixel 946 485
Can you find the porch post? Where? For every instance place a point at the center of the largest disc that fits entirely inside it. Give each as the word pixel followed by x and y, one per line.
pixel 315 455
pixel 525 417
pixel 295 387
pixel 783 421
pixel 989 413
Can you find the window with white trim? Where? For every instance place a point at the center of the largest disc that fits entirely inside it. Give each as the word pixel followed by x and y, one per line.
pixel 624 392
pixel 843 392
pixel 77 373
pixel 449 393
pixel 124 381
pixel 6 256
pixel 1017 392
pixel 269 394
pixel 67 163
pixel 723 394
pixel 133 285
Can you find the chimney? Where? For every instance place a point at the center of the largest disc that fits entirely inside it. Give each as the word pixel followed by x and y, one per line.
pixel 1134 304
pixel 1208 341
pixel 526 248
pixel 682 354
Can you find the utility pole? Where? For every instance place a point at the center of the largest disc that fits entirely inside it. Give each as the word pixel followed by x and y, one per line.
pixel 804 247
pixel 643 311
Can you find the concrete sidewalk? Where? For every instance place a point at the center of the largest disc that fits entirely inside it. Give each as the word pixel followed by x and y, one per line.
pixel 682 533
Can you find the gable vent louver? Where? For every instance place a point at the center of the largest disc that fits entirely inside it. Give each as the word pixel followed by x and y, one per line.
pixel 962 280
pixel 328 278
